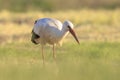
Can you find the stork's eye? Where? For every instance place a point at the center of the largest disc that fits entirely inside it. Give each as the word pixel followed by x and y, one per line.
pixel 69 27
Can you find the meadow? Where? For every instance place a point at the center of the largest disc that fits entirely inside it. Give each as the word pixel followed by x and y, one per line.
pixel 96 58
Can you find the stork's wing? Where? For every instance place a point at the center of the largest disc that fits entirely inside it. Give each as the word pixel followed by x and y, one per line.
pixel 47 26
pixel 50 22
pixel 56 23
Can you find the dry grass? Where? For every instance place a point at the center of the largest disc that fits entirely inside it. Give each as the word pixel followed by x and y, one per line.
pixel 21 60
pixel 90 25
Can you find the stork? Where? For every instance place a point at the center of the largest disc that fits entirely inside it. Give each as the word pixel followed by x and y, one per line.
pixel 51 31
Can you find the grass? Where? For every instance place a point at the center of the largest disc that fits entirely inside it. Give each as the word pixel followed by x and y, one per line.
pixel 96 58
pixel 46 5
pixel 78 17
pixel 87 61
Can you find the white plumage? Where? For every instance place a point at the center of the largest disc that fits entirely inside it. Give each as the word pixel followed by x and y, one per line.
pixel 51 31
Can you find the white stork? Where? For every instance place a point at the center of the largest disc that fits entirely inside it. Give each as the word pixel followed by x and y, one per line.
pixel 51 31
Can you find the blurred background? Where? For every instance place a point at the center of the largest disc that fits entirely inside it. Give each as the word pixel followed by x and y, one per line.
pixel 52 5
pixel 95 19
pixel 97 25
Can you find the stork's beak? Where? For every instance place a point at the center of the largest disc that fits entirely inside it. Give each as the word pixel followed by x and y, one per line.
pixel 74 35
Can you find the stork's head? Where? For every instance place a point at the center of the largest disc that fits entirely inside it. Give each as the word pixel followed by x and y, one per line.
pixel 34 37
pixel 69 27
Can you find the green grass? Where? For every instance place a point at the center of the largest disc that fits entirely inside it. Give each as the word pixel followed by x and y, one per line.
pixel 96 58
pixel 87 61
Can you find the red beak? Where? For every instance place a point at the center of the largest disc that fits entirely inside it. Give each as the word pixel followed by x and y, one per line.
pixel 74 35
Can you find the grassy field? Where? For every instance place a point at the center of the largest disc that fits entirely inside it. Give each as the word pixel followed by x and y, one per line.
pixel 87 61
pixel 96 58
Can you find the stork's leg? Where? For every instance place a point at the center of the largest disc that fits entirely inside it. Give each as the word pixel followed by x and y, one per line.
pixel 43 55
pixel 54 55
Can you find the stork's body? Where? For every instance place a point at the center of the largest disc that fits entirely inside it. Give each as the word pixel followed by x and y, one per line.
pixel 51 31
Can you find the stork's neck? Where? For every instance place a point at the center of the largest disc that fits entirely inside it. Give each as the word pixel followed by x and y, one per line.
pixel 63 32
pixel 65 29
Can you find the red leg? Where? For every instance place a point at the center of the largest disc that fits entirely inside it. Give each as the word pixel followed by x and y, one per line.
pixel 43 55
pixel 54 55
